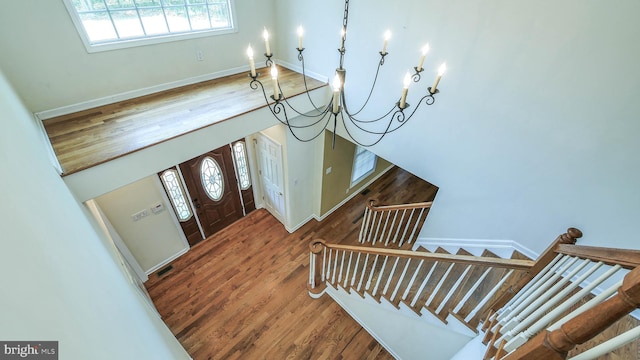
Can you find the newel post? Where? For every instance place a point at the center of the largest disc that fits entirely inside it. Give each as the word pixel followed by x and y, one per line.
pixel 551 345
pixel 316 284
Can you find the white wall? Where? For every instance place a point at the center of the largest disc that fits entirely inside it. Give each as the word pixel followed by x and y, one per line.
pixel 153 240
pixel 59 278
pixel 535 128
pixel 46 60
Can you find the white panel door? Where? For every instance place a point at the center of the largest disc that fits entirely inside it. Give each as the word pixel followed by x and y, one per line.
pixel 271 176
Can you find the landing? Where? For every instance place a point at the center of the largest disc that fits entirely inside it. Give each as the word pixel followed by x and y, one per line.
pixel 92 137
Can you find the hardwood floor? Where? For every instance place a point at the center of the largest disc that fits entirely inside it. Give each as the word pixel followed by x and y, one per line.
pixel 241 294
pixel 94 136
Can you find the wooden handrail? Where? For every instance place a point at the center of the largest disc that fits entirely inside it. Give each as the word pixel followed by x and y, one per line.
pixel 628 259
pixel 421 205
pixel 316 247
pixel 554 345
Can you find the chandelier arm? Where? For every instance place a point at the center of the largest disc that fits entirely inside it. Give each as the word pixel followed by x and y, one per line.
pixel 312 124
pixel 376 133
pixel 355 119
pixel 427 99
pixel 304 78
pixel 375 80
pixel 255 84
pixel 291 127
pixel 278 107
pixel 298 112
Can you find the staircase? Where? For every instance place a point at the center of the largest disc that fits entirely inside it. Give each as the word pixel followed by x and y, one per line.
pixel 517 298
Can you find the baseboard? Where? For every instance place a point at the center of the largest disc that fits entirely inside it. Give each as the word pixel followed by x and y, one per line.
pixel 291 230
pixel 320 218
pixel 166 262
pixel 68 109
pixel 298 68
pixel 502 248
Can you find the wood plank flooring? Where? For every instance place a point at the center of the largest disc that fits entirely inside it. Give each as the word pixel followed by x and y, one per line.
pixel 241 294
pixel 94 136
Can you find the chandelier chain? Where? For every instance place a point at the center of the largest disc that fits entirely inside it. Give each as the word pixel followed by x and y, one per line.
pixel 346 15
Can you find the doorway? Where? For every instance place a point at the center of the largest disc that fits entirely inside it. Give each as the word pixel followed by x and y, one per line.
pixel 210 191
pixel 271 176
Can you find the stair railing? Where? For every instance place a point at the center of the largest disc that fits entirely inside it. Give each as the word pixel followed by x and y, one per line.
pixel 525 324
pixel 395 224
pixel 440 283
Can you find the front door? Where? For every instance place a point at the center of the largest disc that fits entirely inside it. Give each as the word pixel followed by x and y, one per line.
pixel 211 181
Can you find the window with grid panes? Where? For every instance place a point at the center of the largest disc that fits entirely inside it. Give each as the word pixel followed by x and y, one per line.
pixel 109 24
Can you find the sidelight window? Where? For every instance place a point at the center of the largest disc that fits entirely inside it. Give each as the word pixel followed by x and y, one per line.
pixel 242 168
pixel 177 196
pixel 211 176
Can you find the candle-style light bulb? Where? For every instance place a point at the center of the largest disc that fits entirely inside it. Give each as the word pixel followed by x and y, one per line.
pixel 274 78
pixel 405 90
pixel 300 33
pixel 337 85
pixel 424 50
pixel 265 35
pixel 387 36
pixel 252 63
pixel 441 71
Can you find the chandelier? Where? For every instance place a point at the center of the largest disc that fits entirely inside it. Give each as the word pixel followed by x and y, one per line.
pixel 337 107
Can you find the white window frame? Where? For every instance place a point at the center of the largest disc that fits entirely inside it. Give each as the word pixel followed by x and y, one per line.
pixel 155 39
pixel 362 157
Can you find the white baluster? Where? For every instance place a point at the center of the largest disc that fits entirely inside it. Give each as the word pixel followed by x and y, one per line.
pixel 486 299
pixel 355 270
pixel 335 266
pixel 406 227
pixel 365 222
pixel 424 283
pixel 329 264
pixel 518 321
pixel 346 276
pixel 364 271
pixel 551 312
pixel 471 291
pixel 588 305
pixel 413 279
pixel 395 237
pixel 453 289
pixel 609 345
pixel 344 255
pixel 375 237
pixel 393 270
pixel 312 278
pixel 324 264
pixel 415 227
pixel 404 272
pixel 527 288
pixel 370 227
pixel 437 288
pixel 373 269
pixel 543 293
pixel 384 265
pixel 523 296
pixel 393 224
pixel 384 228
